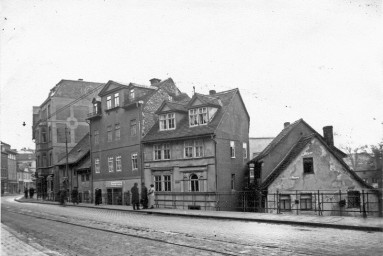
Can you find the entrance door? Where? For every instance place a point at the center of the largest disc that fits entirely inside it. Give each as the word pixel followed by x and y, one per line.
pixel 114 196
pixel 109 199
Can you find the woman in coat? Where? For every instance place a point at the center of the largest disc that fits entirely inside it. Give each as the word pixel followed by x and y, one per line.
pixel 151 196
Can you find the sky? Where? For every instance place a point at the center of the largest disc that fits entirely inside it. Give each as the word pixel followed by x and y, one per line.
pixel 316 60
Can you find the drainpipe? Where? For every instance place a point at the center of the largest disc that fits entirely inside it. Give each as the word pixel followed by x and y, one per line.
pixel 91 162
pixel 215 165
pixel 139 107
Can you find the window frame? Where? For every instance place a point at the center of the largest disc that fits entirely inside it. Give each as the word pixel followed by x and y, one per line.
pixel 198 116
pixel 166 121
pixel 244 147
pixel 97 165
pixel 134 158
pixel 117 131
pixel 308 165
pixel 306 201
pixel 111 164
pixel 109 102
pixel 116 100
pixel 118 164
pixel 353 201
pixel 232 149
pixel 96 137
pixel 133 127
pixel 188 145
pixel 194 183
pixel 286 199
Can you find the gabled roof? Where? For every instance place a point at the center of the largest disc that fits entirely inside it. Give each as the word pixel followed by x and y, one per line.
pixel 278 139
pixel 294 153
pixel 78 152
pixel 109 84
pixel 173 107
pixel 183 130
pixel 206 100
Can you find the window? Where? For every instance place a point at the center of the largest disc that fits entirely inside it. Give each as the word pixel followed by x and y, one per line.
pixel 194 183
pixel 82 177
pixel 198 116
pixel 116 100
pixel 161 151
pixel 97 165
pixel 117 132
pixel 110 164
pixel 43 135
pixel 50 134
pixel 49 110
pixel 374 180
pixel 244 146
pixel 50 159
pixel 167 122
pixel 134 161
pixel 109 131
pixel 232 149
pixel 157 152
pixel 95 108
pixel 118 164
pixel 45 164
pixel 157 183
pixel 166 151
pixel 188 149
pixel 167 183
pixel 308 165
pixel 285 203
pixel 353 199
pixel 232 181
pixel 198 148
pixel 96 137
pixel 133 127
pixel 306 201
pixel 131 94
pixel 109 102
pixel 86 177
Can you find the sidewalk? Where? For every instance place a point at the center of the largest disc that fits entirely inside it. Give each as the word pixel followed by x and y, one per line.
pixel 340 222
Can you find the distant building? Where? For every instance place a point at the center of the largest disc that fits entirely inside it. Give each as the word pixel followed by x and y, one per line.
pixel 9 182
pixel 256 145
pixel 121 115
pixel 302 172
pixel 26 168
pixel 198 149
pixel 367 166
pixel 58 125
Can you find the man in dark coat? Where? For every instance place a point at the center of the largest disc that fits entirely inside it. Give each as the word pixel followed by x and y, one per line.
pixel 135 197
pixel 144 196
pixel 25 192
pixel 74 196
pixel 31 192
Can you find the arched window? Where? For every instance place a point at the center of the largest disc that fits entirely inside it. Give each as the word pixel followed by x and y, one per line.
pixel 194 183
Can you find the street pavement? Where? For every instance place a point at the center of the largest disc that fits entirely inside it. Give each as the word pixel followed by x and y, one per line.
pixel 340 222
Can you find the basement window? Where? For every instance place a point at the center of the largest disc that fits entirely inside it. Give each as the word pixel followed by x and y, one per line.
pixel 308 165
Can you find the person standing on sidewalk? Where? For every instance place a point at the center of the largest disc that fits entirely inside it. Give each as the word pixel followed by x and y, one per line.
pixel 135 197
pixel 74 196
pixel 25 192
pixel 151 196
pixel 144 196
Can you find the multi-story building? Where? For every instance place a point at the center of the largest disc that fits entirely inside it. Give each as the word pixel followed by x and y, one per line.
pixel 8 169
pixel 122 114
pixel 198 151
pixel 58 124
pixel 4 168
pixel 26 168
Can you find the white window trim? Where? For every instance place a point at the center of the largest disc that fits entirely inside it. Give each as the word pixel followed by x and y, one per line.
pixel 110 167
pixel 197 112
pixel 134 158
pixel 118 164
pixel 161 148
pixel 97 165
pixel 116 100
pixel 165 119
pixel 162 181
pixel 108 102
pixel 244 150
pixel 232 149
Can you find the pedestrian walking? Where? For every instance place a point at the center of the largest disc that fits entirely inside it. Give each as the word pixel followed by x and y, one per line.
pixel 135 197
pixel 31 192
pixel 74 196
pixel 62 196
pixel 144 196
pixel 151 196
pixel 25 192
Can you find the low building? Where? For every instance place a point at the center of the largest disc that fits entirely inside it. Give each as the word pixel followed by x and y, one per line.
pixel 197 151
pixel 79 169
pixel 301 172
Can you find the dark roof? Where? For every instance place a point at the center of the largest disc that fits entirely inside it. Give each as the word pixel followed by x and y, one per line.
pixel 284 133
pixel 296 150
pixel 184 130
pixel 173 106
pixel 85 165
pixel 78 152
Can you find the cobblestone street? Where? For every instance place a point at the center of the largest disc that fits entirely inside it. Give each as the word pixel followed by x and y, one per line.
pixel 82 231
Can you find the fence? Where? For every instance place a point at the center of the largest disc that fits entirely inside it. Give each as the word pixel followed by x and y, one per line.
pixel 336 203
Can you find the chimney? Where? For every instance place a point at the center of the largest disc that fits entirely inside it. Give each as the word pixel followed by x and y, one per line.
pixel 328 135
pixel 80 79
pixel 212 92
pixel 286 124
pixel 154 81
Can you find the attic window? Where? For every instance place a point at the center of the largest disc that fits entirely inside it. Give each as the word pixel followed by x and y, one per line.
pixel 198 116
pixel 308 165
pixel 167 122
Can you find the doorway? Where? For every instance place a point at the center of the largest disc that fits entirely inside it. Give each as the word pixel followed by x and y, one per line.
pixel 114 196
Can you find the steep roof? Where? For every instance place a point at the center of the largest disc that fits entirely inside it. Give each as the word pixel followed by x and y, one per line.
pixel 78 152
pixel 286 131
pixel 294 153
pixel 182 127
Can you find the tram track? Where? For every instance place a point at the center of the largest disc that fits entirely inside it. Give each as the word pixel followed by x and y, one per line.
pixel 171 238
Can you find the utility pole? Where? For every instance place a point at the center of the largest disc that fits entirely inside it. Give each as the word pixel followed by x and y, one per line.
pixel 66 166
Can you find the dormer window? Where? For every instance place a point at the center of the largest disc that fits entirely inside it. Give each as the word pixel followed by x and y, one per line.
pixel 198 116
pixel 116 100
pixel 167 122
pixel 109 102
